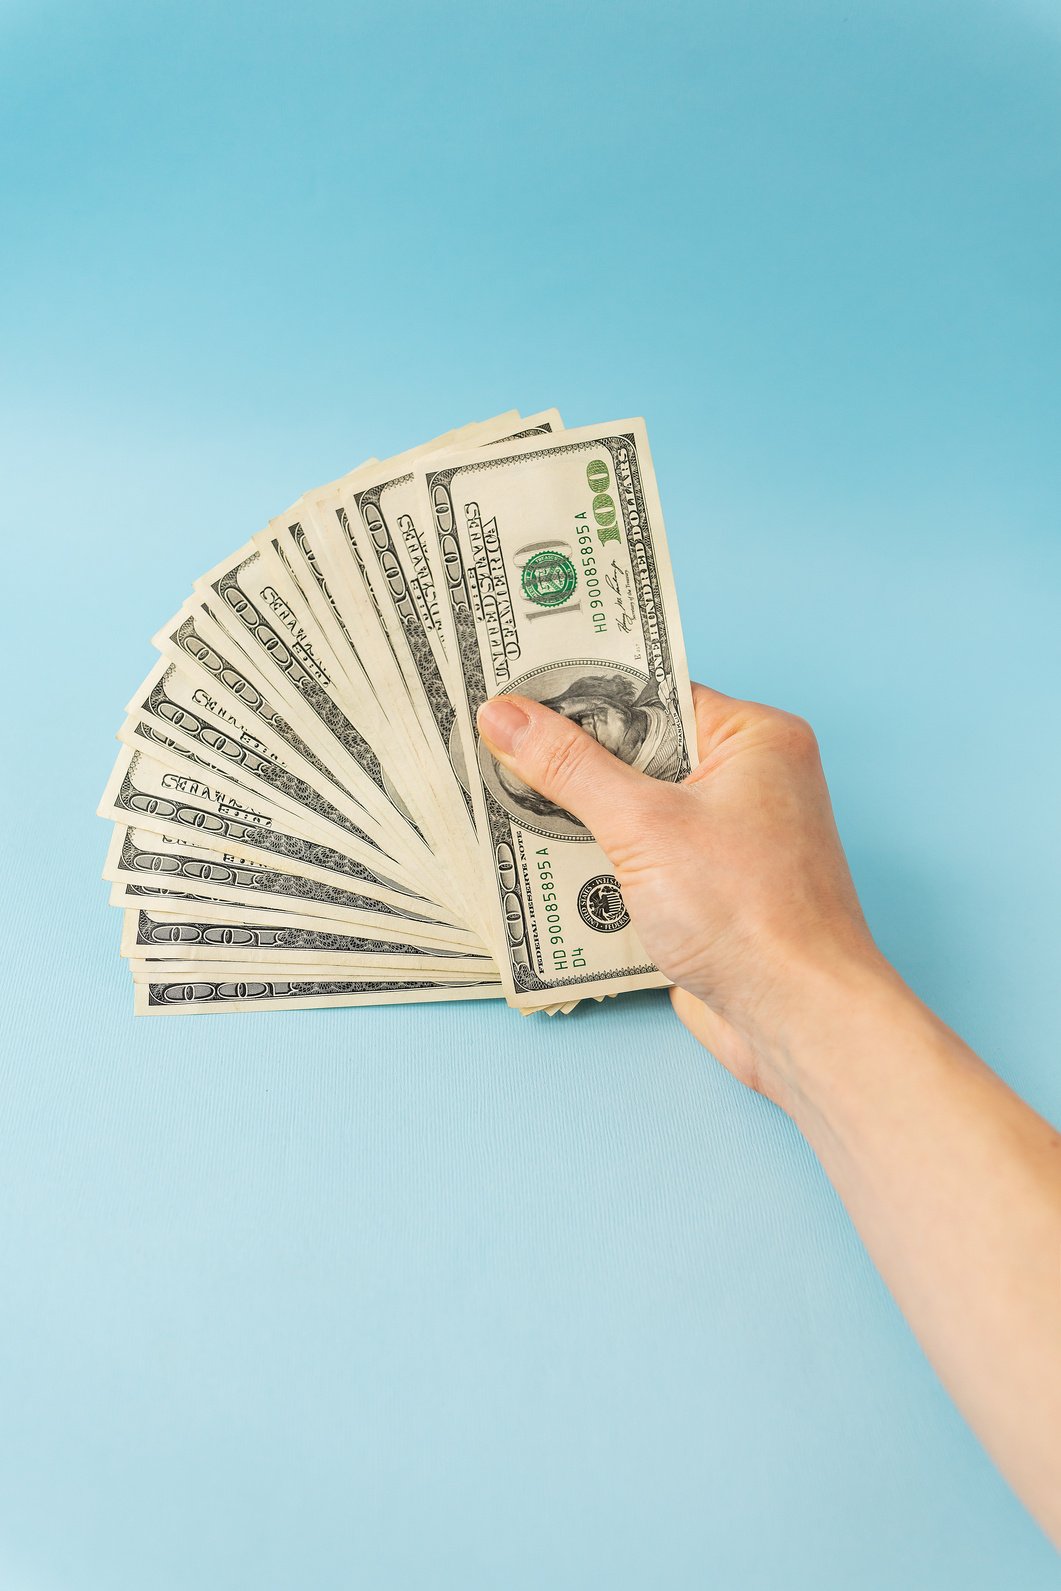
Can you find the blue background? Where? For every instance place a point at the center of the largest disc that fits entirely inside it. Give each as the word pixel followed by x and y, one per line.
pixel 439 1297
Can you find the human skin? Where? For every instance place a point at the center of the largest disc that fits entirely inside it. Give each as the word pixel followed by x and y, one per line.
pixel 738 886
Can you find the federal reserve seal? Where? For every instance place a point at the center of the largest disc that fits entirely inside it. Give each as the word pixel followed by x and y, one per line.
pixel 601 905
pixel 548 579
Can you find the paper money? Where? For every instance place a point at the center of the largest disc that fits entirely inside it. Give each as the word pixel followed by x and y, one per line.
pixel 150 863
pixel 185 997
pixel 303 814
pixel 214 934
pixel 558 586
pixel 161 793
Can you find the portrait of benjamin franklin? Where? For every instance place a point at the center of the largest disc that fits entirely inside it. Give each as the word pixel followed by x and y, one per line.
pixel 619 710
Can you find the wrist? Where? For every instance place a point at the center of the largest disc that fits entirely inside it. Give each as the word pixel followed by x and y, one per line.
pixel 821 1033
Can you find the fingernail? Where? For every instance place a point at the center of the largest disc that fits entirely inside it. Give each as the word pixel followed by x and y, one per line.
pixel 502 724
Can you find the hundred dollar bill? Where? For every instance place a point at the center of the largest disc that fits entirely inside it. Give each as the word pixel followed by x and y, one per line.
pixel 191 996
pixel 190 804
pixel 347 533
pixel 552 1010
pixel 252 597
pixel 336 549
pixel 558 586
pixel 390 542
pixel 175 903
pixel 230 688
pixel 387 535
pixel 348 607
pixel 317 540
pixel 387 546
pixel 307 552
pixel 264 937
pixel 167 870
pixel 174 702
pixel 175 720
pixel 196 968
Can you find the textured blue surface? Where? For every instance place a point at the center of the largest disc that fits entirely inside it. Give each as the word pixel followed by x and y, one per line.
pixel 440 1297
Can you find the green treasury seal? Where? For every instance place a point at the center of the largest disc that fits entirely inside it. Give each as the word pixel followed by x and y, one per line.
pixel 548 579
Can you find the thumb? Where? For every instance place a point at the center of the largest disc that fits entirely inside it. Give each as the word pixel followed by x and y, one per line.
pixel 566 765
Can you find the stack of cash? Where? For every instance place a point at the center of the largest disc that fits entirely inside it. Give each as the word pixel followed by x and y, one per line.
pixel 303 812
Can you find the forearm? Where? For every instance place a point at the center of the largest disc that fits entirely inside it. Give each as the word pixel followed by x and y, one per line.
pixel 955 1187
pixel 739 889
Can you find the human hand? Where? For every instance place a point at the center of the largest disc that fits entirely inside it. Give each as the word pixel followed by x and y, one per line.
pixel 739 890
pixel 735 879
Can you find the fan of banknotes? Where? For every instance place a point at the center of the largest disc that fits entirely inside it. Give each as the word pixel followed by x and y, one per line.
pixel 303 812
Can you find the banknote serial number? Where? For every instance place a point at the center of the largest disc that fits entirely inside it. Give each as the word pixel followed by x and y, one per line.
pixel 563 959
